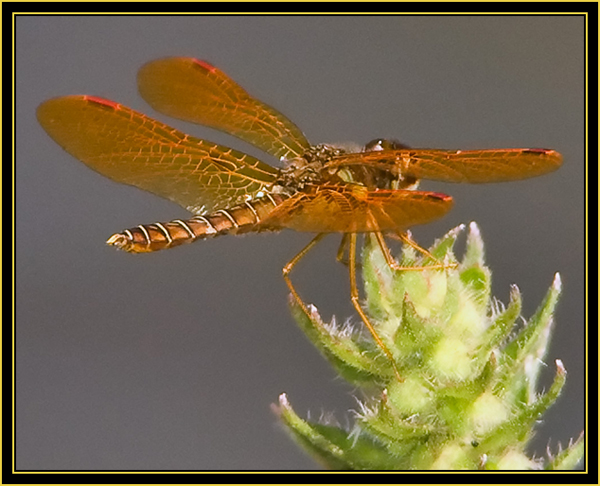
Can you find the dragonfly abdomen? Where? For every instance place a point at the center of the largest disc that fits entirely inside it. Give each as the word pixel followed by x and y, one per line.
pixel 160 236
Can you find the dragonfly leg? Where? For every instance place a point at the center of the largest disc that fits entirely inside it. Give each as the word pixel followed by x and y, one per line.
pixel 342 249
pixel 355 302
pixel 405 238
pixel 292 263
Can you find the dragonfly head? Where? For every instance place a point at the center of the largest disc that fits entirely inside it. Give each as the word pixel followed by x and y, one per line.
pixel 384 144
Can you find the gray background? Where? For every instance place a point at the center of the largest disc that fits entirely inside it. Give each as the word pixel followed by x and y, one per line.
pixel 171 360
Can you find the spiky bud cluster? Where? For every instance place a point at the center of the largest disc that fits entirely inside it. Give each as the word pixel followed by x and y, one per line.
pixel 468 396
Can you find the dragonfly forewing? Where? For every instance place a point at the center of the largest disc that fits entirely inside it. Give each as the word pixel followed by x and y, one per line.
pixel 195 91
pixel 472 166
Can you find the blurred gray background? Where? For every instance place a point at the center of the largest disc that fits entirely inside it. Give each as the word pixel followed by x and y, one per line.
pixel 171 360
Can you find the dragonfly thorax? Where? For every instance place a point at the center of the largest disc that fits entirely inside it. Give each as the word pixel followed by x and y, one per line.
pixel 317 166
pixel 307 169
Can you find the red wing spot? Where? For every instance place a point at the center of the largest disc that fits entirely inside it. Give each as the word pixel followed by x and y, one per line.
pixel 539 151
pixel 439 195
pixel 102 101
pixel 205 65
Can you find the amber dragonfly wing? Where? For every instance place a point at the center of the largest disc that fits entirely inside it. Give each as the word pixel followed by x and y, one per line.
pixel 131 148
pixel 356 209
pixel 473 166
pixel 195 91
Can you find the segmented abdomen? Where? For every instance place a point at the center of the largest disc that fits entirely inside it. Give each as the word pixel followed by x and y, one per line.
pixel 160 236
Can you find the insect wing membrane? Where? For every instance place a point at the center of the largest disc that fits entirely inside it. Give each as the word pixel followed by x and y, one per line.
pixel 131 148
pixel 472 166
pixel 195 91
pixel 356 209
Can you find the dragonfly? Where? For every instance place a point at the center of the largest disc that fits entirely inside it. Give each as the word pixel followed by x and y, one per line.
pixel 317 188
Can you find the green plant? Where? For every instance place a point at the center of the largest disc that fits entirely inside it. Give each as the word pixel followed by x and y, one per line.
pixel 468 397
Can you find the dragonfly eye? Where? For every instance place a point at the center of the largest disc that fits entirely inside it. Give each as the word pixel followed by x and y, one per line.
pixel 383 144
